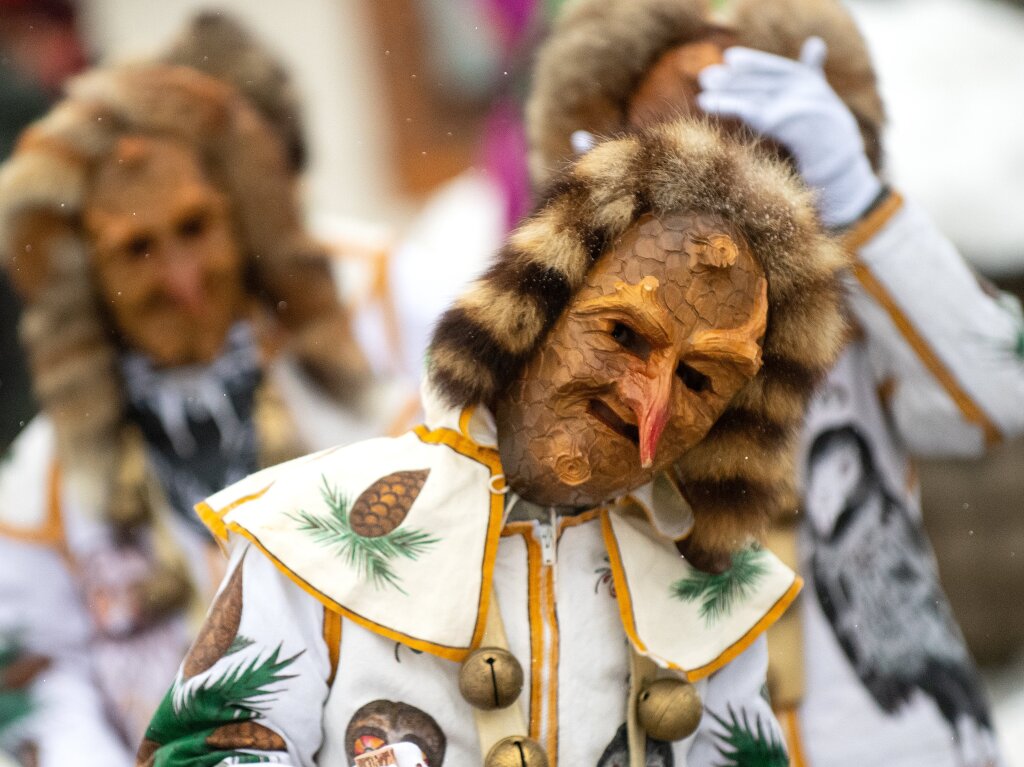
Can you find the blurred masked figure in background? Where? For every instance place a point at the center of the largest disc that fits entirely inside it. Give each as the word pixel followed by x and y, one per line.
pixel 149 224
pixel 878 672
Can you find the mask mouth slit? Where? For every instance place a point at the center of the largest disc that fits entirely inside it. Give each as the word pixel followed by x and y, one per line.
pixel 608 417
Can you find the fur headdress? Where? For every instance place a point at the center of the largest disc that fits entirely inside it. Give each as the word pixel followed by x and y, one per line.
pixel 599 51
pixel 742 472
pixel 43 188
pixel 218 45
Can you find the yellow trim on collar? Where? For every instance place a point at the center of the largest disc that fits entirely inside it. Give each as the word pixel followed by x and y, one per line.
pixel 622 595
pixel 443 651
pixel 463 445
pixel 626 612
pixel 214 520
pixel 51 531
pixel 737 648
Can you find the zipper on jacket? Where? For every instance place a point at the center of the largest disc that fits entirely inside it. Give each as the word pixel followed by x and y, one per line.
pixel 547 533
pixel 545 640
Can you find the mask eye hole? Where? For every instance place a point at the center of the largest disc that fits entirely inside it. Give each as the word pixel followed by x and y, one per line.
pixel 693 379
pixel 192 226
pixel 139 246
pixel 630 340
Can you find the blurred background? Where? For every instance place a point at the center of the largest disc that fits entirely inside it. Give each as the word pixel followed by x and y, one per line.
pixel 415 147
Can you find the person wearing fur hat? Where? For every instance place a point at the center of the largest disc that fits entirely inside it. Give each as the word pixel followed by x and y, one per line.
pixel 502 585
pixel 149 223
pixel 872 668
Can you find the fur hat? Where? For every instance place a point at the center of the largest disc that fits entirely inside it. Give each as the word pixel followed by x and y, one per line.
pixel 220 46
pixel 43 187
pixel 742 472
pixel 599 50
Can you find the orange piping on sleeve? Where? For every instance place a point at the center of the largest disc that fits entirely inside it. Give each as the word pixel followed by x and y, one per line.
pixel 853 240
pixel 536 635
pixel 871 224
pixel 790 722
pixel 332 637
pixel 553 660
pixel 971 411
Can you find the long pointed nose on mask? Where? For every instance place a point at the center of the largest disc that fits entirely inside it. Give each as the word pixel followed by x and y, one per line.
pixel 648 394
pixel 183 282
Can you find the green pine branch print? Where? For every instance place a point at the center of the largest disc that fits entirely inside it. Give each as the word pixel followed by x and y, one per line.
pixel 238 644
pixel 15 703
pixel 189 714
pixel 719 592
pixel 741 745
pixel 371 557
pixel 239 694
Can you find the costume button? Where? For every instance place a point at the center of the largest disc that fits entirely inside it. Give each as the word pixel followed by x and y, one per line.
pixel 516 751
pixel 669 709
pixel 491 678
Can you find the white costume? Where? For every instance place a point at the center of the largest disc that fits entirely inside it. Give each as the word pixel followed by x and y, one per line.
pixel 340 651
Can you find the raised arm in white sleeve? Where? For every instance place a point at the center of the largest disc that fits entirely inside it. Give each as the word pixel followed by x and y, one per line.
pixel 949 353
pixel 949 348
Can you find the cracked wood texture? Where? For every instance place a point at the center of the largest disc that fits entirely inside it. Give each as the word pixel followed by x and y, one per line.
pixel 647 356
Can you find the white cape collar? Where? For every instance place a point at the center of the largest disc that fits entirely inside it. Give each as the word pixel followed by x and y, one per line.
pixel 426 580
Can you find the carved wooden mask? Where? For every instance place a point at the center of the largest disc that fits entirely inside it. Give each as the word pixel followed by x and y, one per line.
pixel 669 88
pixel 165 258
pixel 664 332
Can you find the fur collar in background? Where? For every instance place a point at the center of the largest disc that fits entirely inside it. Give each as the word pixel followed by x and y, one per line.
pixel 599 50
pixel 742 473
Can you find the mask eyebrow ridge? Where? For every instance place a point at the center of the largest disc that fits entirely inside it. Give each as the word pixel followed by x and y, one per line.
pixel 642 318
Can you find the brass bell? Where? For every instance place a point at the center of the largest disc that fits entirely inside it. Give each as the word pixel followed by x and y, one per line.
pixel 669 709
pixel 516 751
pixel 491 678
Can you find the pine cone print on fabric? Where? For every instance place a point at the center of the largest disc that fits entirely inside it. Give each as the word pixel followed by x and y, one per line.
pixel 384 504
pixel 368 535
pixel 220 629
pixel 248 735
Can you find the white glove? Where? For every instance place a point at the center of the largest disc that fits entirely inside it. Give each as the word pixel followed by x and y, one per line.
pixel 791 102
pixel 582 141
